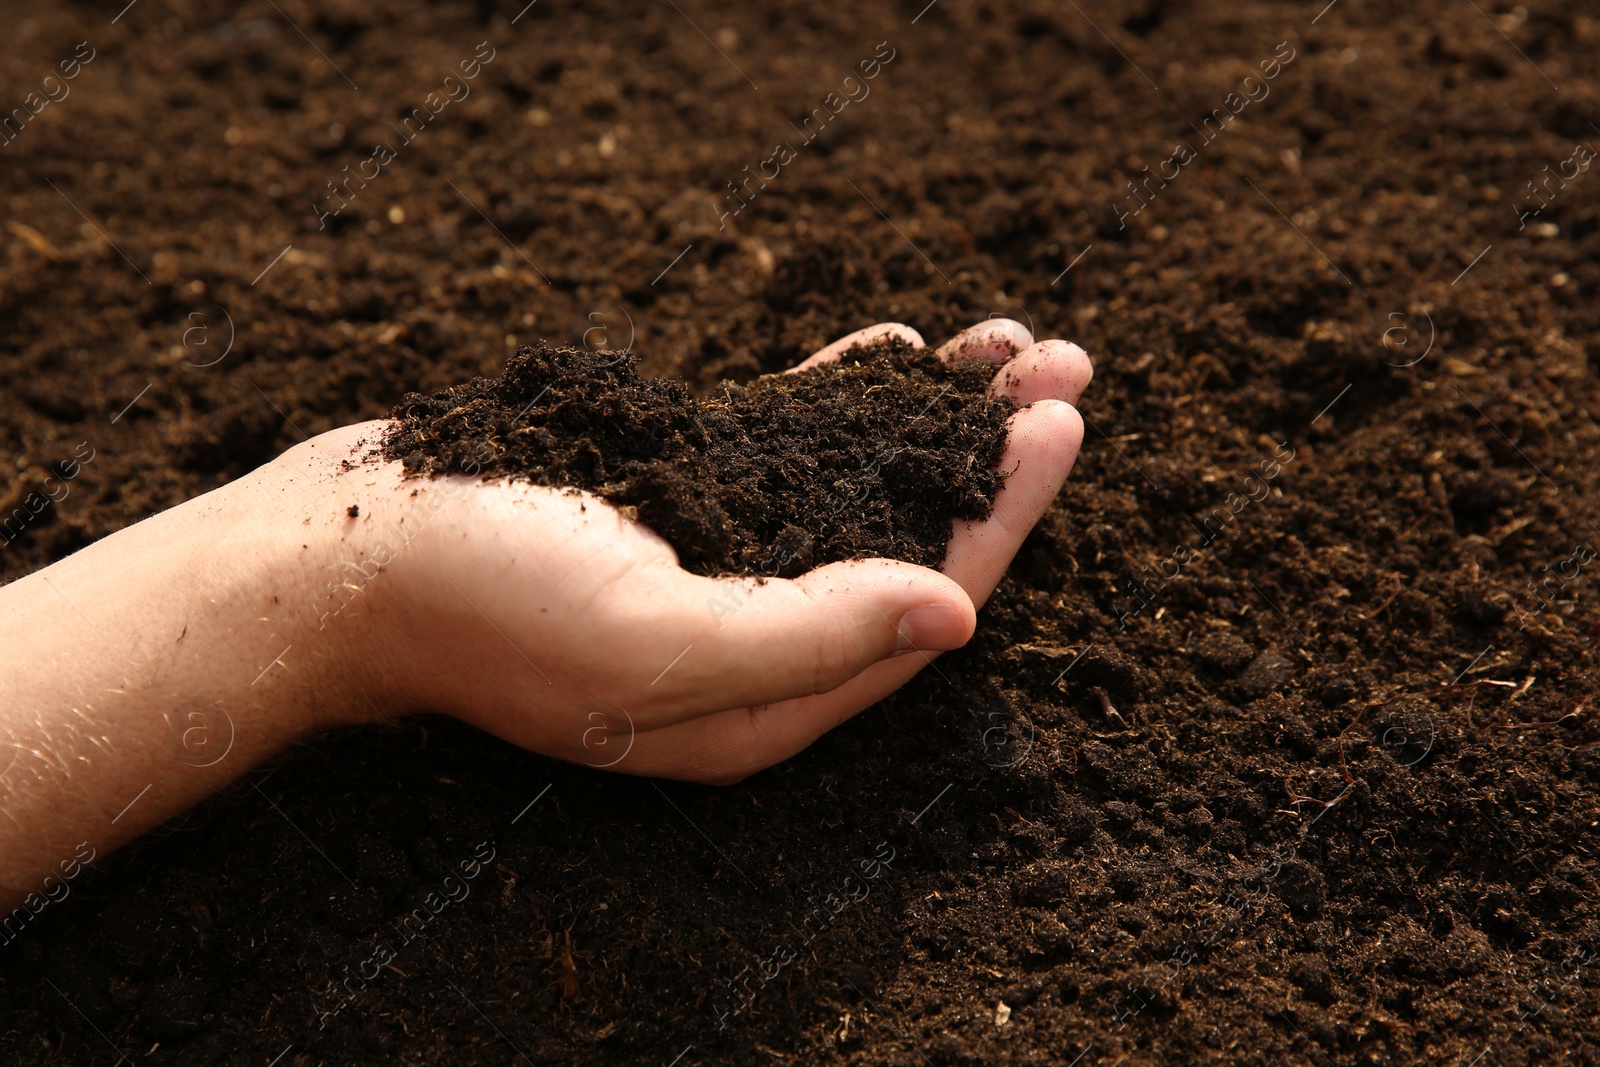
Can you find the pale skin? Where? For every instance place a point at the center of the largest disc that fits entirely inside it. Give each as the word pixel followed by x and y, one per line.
pixel 155 666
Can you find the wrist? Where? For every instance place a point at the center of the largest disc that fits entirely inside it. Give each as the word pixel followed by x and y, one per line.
pixel 233 570
pixel 159 663
pixel 313 529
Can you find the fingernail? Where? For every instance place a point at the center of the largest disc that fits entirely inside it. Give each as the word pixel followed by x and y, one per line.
pixel 931 628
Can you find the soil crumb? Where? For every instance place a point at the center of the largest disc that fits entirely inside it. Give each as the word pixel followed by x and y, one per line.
pixel 872 456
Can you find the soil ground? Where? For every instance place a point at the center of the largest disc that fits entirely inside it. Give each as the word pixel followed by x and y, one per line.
pixel 1269 749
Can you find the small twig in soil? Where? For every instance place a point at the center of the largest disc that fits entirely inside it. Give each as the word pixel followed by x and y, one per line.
pixel 1349 784
pixel 1110 712
pixel 1574 713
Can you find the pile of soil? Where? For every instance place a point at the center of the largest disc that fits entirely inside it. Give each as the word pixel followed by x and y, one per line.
pixel 1238 768
pixel 872 456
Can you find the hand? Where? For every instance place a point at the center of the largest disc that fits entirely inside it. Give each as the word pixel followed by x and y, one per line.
pixel 552 621
pixel 159 663
pixel 162 661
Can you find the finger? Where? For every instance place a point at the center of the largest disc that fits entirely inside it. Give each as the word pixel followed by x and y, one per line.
pixel 731 745
pixel 1048 370
pixel 1041 447
pixel 724 747
pixel 753 643
pixel 881 332
pixel 728 746
pixel 995 340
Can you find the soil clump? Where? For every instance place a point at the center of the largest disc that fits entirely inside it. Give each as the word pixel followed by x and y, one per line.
pixel 872 456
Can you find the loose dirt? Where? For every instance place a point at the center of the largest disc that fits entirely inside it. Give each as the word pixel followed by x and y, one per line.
pixel 873 456
pixel 1287 767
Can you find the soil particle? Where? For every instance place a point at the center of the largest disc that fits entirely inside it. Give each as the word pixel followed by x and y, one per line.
pixel 1302 887
pixel 1226 652
pixel 1268 671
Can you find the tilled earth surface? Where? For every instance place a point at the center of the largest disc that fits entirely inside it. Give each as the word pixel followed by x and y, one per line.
pixel 1277 743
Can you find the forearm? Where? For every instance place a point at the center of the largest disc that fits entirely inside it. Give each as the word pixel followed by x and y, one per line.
pixel 155 666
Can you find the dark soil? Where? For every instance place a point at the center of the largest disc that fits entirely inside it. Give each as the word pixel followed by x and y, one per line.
pixel 1239 768
pixel 873 456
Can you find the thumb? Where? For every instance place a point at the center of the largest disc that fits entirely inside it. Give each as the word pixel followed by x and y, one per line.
pixel 764 642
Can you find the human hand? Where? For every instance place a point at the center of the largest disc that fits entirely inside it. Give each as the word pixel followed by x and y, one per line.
pixel 552 621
